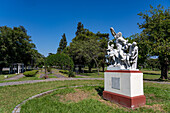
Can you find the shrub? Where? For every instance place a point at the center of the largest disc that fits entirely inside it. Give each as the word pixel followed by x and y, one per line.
pixel 30 73
pixel 64 71
pixel 71 74
pixel 49 69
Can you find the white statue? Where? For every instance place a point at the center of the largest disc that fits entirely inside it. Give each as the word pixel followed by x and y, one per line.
pixel 121 59
pixel 134 55
pixel 113 53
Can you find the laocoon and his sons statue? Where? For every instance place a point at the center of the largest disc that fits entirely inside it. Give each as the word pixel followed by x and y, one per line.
pixel 124 56
pixel 123 83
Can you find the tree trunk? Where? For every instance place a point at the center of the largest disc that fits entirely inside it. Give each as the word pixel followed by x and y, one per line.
pixel 103 67
pixel 164 61
pixel 98 69
pixel 1 70
pixel 164 71
pixel 79 69
pixel 89 69
pixel 96 65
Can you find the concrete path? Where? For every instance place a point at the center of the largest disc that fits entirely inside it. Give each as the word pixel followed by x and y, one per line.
pixel 46 80
pixel 15 77
pixel 62 79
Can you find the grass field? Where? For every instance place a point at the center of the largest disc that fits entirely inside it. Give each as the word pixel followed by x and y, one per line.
pixel 89 99
pixel 10 96
pixel 9 76
pixel 152 74
pixel 147 74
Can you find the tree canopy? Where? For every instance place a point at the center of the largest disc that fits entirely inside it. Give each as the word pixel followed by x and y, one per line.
pixel 62 44
pixel 61 60
pixel 156 35
pixel 15 46
pixel 88 48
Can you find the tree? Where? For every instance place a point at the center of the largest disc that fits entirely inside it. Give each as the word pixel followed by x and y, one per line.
pixel 144 49
pixel 60 59
pixel 103 39
pixel 80 28
pixel 156 29
pixel 88 48
pixel 62 44
pixel 91 49
pixel 15 46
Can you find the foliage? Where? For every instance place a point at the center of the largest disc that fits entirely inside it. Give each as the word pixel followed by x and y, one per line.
pixel 144 49
pixel 62 60
pixel 71 74
pixel 30 73
pixel 62 44
pixel 88 48
pixel 15 46
pixel 156 30
pixel 49 69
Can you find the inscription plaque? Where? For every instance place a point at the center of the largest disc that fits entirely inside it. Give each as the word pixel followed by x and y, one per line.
pixel 116 83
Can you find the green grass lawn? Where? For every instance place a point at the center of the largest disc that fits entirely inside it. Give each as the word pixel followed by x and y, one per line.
pixel 36 77
pixel 9 76
pixel 147 74
pixel 93 75
pixel 157 95
pixel 10 96
pixel 89 99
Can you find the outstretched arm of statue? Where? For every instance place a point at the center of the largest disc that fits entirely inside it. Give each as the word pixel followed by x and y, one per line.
pixel 113 31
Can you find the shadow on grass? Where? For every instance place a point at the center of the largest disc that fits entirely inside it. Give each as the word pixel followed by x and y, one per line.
pixel 151 73
pixel 100 91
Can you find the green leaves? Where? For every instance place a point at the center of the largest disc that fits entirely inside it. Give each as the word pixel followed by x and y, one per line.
pixel 156 33
pixel 62 44
pixel 15 46
pixel 61 60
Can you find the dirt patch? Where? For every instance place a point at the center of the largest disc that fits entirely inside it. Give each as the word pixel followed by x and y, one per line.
pixel 155 107
pixel 74 97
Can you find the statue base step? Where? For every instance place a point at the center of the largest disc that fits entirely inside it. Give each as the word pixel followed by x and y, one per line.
pixel 129 102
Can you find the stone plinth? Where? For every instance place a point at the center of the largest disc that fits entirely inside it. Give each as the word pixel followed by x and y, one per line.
pixel 124 87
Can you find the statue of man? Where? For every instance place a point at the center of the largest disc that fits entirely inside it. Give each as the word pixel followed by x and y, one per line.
pixel 133 51
pixel 121 45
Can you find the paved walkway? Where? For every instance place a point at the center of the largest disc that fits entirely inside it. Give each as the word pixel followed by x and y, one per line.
pixel 61 79
pixel 15 77
pixel 46 80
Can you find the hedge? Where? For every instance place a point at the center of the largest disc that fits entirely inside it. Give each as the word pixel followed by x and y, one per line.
pixel 69 73
pixel 30 73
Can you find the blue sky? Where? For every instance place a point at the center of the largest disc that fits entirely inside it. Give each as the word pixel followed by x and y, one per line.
pixel 47 20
